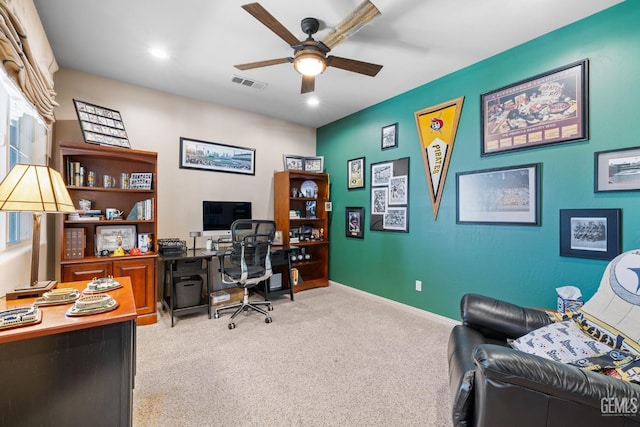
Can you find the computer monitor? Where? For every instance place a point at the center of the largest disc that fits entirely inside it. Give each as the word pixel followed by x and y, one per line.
pixel 217 217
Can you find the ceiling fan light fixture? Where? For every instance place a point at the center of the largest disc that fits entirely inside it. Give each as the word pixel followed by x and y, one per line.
pixel 309 63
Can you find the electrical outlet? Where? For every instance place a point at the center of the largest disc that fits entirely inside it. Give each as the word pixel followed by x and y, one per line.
pixel 419 285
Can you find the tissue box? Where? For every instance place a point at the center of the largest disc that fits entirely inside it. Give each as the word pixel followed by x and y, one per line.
pixel 572 305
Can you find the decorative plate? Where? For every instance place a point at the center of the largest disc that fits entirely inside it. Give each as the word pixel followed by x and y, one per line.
pixel 309 189
pixel 105 284
pixel 58 296
pixel 92 304
pixel 21 316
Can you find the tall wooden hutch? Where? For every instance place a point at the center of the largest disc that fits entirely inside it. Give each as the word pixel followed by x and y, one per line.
pixel 106 160
pixel 299 211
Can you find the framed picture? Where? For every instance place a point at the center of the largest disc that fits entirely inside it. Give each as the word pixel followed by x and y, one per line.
pixel 355 173
pixel 277 238
pixel 617 170
pixel 389 136
pixel 354 217
pixel 109 238
pixel 590 233
pixel 509 195
pixel 314 164
pixel 294 163
pixel 390 196
pixel 101 125
pixel 549 108
pixel 215 157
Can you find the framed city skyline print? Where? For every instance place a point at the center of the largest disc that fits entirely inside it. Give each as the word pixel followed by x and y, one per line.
pixel 215 157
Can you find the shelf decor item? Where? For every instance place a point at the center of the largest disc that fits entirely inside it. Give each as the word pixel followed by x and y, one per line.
pixel 617 170
pixel 590 233
pixel 109 238
pixel 509 195
pixel 101 125
pixel 215 157
pixel 549 108
pixel 389 136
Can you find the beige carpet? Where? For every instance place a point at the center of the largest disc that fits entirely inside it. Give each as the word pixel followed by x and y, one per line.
pixel 332 357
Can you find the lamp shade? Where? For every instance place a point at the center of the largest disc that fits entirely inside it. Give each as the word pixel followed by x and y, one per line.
pixel 34 188
pixel 309 63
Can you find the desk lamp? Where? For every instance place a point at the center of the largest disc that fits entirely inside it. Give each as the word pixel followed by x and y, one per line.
pixel 37 189
pixel 195 234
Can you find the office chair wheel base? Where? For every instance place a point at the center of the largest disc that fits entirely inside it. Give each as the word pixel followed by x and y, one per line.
pixel 232 325
pixel 268 320
pixel 270 308
pixel 216 315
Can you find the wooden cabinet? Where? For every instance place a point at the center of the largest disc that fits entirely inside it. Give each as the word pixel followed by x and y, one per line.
pixel 305 194
pixel 112 161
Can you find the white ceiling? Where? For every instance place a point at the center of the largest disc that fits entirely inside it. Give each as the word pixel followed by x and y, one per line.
pixel 417 41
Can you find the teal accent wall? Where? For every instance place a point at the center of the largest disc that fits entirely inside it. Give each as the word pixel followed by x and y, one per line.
pixel 518 263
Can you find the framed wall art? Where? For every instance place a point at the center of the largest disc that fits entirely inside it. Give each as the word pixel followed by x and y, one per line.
pixel 294 163
pixel 508 195
pixel 215 157
pixel 549 108
pixel 390 196
pixel 590 233
pixel 101 125
pixel 355 173
pixel 314 164
pixel 354 219
pixel 617 170
pixel 389 136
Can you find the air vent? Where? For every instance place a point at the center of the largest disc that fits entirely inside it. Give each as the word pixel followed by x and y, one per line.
pixel 249 83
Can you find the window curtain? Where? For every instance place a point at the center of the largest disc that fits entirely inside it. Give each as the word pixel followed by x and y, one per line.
pixel 19 55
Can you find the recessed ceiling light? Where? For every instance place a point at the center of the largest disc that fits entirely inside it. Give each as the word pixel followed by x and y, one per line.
pixel 159 53
pixel 313 101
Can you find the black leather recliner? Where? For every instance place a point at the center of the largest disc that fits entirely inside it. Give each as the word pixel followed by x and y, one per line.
pixel 493 385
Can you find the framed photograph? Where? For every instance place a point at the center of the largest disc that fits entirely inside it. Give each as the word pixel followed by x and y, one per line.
pixel 509 195
pixel 294 163
pixel 390 196
pixel 590 233
pixel 617 170
pixel 389 136
pixel 549 108
pixel 109 238
pixel 215 157
pixel 354 217
pixel 355 173
pixel 101 125
pixel 277 238
pixel 314 164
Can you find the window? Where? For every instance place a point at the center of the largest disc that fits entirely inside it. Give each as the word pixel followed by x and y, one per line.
pixel 23 139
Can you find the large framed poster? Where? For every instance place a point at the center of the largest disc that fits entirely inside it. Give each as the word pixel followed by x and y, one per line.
pixel 549 108
pixel 390 196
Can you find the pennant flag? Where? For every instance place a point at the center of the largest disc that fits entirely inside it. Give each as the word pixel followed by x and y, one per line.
pixel 437 128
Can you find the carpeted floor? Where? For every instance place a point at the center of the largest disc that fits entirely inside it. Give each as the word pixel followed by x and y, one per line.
pixel 333 357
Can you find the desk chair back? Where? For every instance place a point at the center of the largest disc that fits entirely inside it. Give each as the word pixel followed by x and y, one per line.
pixel 250 258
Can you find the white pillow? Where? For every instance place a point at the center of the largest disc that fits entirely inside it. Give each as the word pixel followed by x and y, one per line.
pixel 561 341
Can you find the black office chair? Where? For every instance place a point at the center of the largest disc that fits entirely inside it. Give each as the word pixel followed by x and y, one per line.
pixel 249 263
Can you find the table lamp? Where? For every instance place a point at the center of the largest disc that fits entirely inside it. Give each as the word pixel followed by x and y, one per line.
pixel 37 189
pixel 195 234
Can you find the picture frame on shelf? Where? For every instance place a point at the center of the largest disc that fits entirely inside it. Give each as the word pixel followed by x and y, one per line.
pixel 216 157
pixel 549 108
pixel 314 164
pixel 501 196
pixel 356 173
pixel 617 170
pixel 590 233
pixel 389 136
pixel 101 125
pixel 109 238
pixel 291 162
pixel 354 222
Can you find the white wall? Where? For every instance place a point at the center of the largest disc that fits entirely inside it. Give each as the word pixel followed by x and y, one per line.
pixel 155 121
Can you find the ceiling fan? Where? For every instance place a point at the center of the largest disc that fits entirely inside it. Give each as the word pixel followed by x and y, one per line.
pixel 310 56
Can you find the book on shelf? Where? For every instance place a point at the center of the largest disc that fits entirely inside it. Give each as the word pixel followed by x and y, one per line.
pixel 142 210
pixel 88 215
pixel 74 242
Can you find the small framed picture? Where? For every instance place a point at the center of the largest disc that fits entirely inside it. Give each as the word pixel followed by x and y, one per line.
pixel 354 217
pixel 617 170
pixel 314 164
pixel 295 163
pixel 389 136
pixel 277 237
pixel 355 173
pixel 590 233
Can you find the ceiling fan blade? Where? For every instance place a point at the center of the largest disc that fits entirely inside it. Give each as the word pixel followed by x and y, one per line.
pixel 358 18
pixel 308 84
pixel 365 68
pixel 258 64
pixel 261 14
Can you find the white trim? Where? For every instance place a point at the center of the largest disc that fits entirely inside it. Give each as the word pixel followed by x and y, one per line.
pixel 422 313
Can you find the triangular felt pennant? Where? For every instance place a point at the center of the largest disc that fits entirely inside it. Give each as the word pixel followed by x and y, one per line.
pixel 437 128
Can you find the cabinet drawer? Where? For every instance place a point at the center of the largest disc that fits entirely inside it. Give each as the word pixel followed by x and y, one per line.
pixel 86 271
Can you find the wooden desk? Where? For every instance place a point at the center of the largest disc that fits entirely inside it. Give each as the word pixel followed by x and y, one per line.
pixel 69 371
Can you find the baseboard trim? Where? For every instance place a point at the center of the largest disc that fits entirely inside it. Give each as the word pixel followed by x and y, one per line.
pixel 422 313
